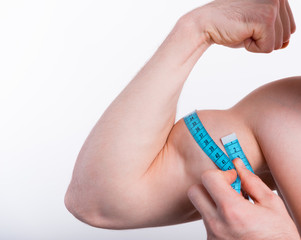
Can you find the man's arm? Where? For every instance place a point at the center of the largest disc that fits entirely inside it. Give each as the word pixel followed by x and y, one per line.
pixel 129 137
pixel 133 130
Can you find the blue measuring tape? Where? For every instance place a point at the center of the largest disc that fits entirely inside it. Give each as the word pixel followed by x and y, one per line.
pixel 234 150
pixel 231 144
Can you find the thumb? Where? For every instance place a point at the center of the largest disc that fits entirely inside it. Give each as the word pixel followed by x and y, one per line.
pixel 262 40
pixel 252 184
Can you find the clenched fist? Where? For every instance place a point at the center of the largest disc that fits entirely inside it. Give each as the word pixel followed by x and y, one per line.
pixel 257 25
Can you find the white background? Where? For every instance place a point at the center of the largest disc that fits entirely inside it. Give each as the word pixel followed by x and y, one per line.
pixel 61 65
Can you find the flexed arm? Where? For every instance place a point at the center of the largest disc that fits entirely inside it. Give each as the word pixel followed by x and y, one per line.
pixel 132 132
pixel 134 128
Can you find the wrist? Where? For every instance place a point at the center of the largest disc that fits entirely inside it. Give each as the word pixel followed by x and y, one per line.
pixel 198 19
pixel 193 23
pixel 193 28
pixel 186 42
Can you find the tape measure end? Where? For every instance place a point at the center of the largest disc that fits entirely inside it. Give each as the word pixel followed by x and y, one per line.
pixel 229 138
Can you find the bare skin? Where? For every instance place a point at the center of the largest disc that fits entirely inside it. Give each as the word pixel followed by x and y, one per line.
pixel 125 179
pixel 228 215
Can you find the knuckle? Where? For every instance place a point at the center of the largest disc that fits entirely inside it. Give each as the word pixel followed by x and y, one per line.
pixel 268 49
pixel 223 209
pixel 215 227
pixel 230 213
pixel 252 182
pixel 272 198
pixel 256 178
pixel 210 222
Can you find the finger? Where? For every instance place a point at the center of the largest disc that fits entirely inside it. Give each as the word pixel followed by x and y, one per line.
pixel 252 184
pixel 202 201
pixel 217 183
pixel 278 33
pixel 262 40
pixel 291 17
pixel 285 44
pixel 285 22
pixel 264 36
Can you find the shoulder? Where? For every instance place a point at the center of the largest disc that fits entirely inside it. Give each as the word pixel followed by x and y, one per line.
pixel 274 113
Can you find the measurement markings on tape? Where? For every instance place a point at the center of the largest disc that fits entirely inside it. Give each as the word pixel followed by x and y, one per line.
pixel 204 140
pixel 234 150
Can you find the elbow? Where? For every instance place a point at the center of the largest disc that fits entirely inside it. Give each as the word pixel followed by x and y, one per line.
pixel 87 212
pixel 82 212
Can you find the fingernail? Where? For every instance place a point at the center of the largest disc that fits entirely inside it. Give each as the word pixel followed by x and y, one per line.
pixel 284 45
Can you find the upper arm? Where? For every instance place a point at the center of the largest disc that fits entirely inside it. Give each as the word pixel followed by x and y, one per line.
pixel 268 125
pixel 182 162
pixel 159 196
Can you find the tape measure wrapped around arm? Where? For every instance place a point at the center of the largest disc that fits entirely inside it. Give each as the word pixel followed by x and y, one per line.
pixel 230 142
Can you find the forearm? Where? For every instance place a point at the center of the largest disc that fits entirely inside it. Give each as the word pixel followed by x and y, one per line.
pixel 134 128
